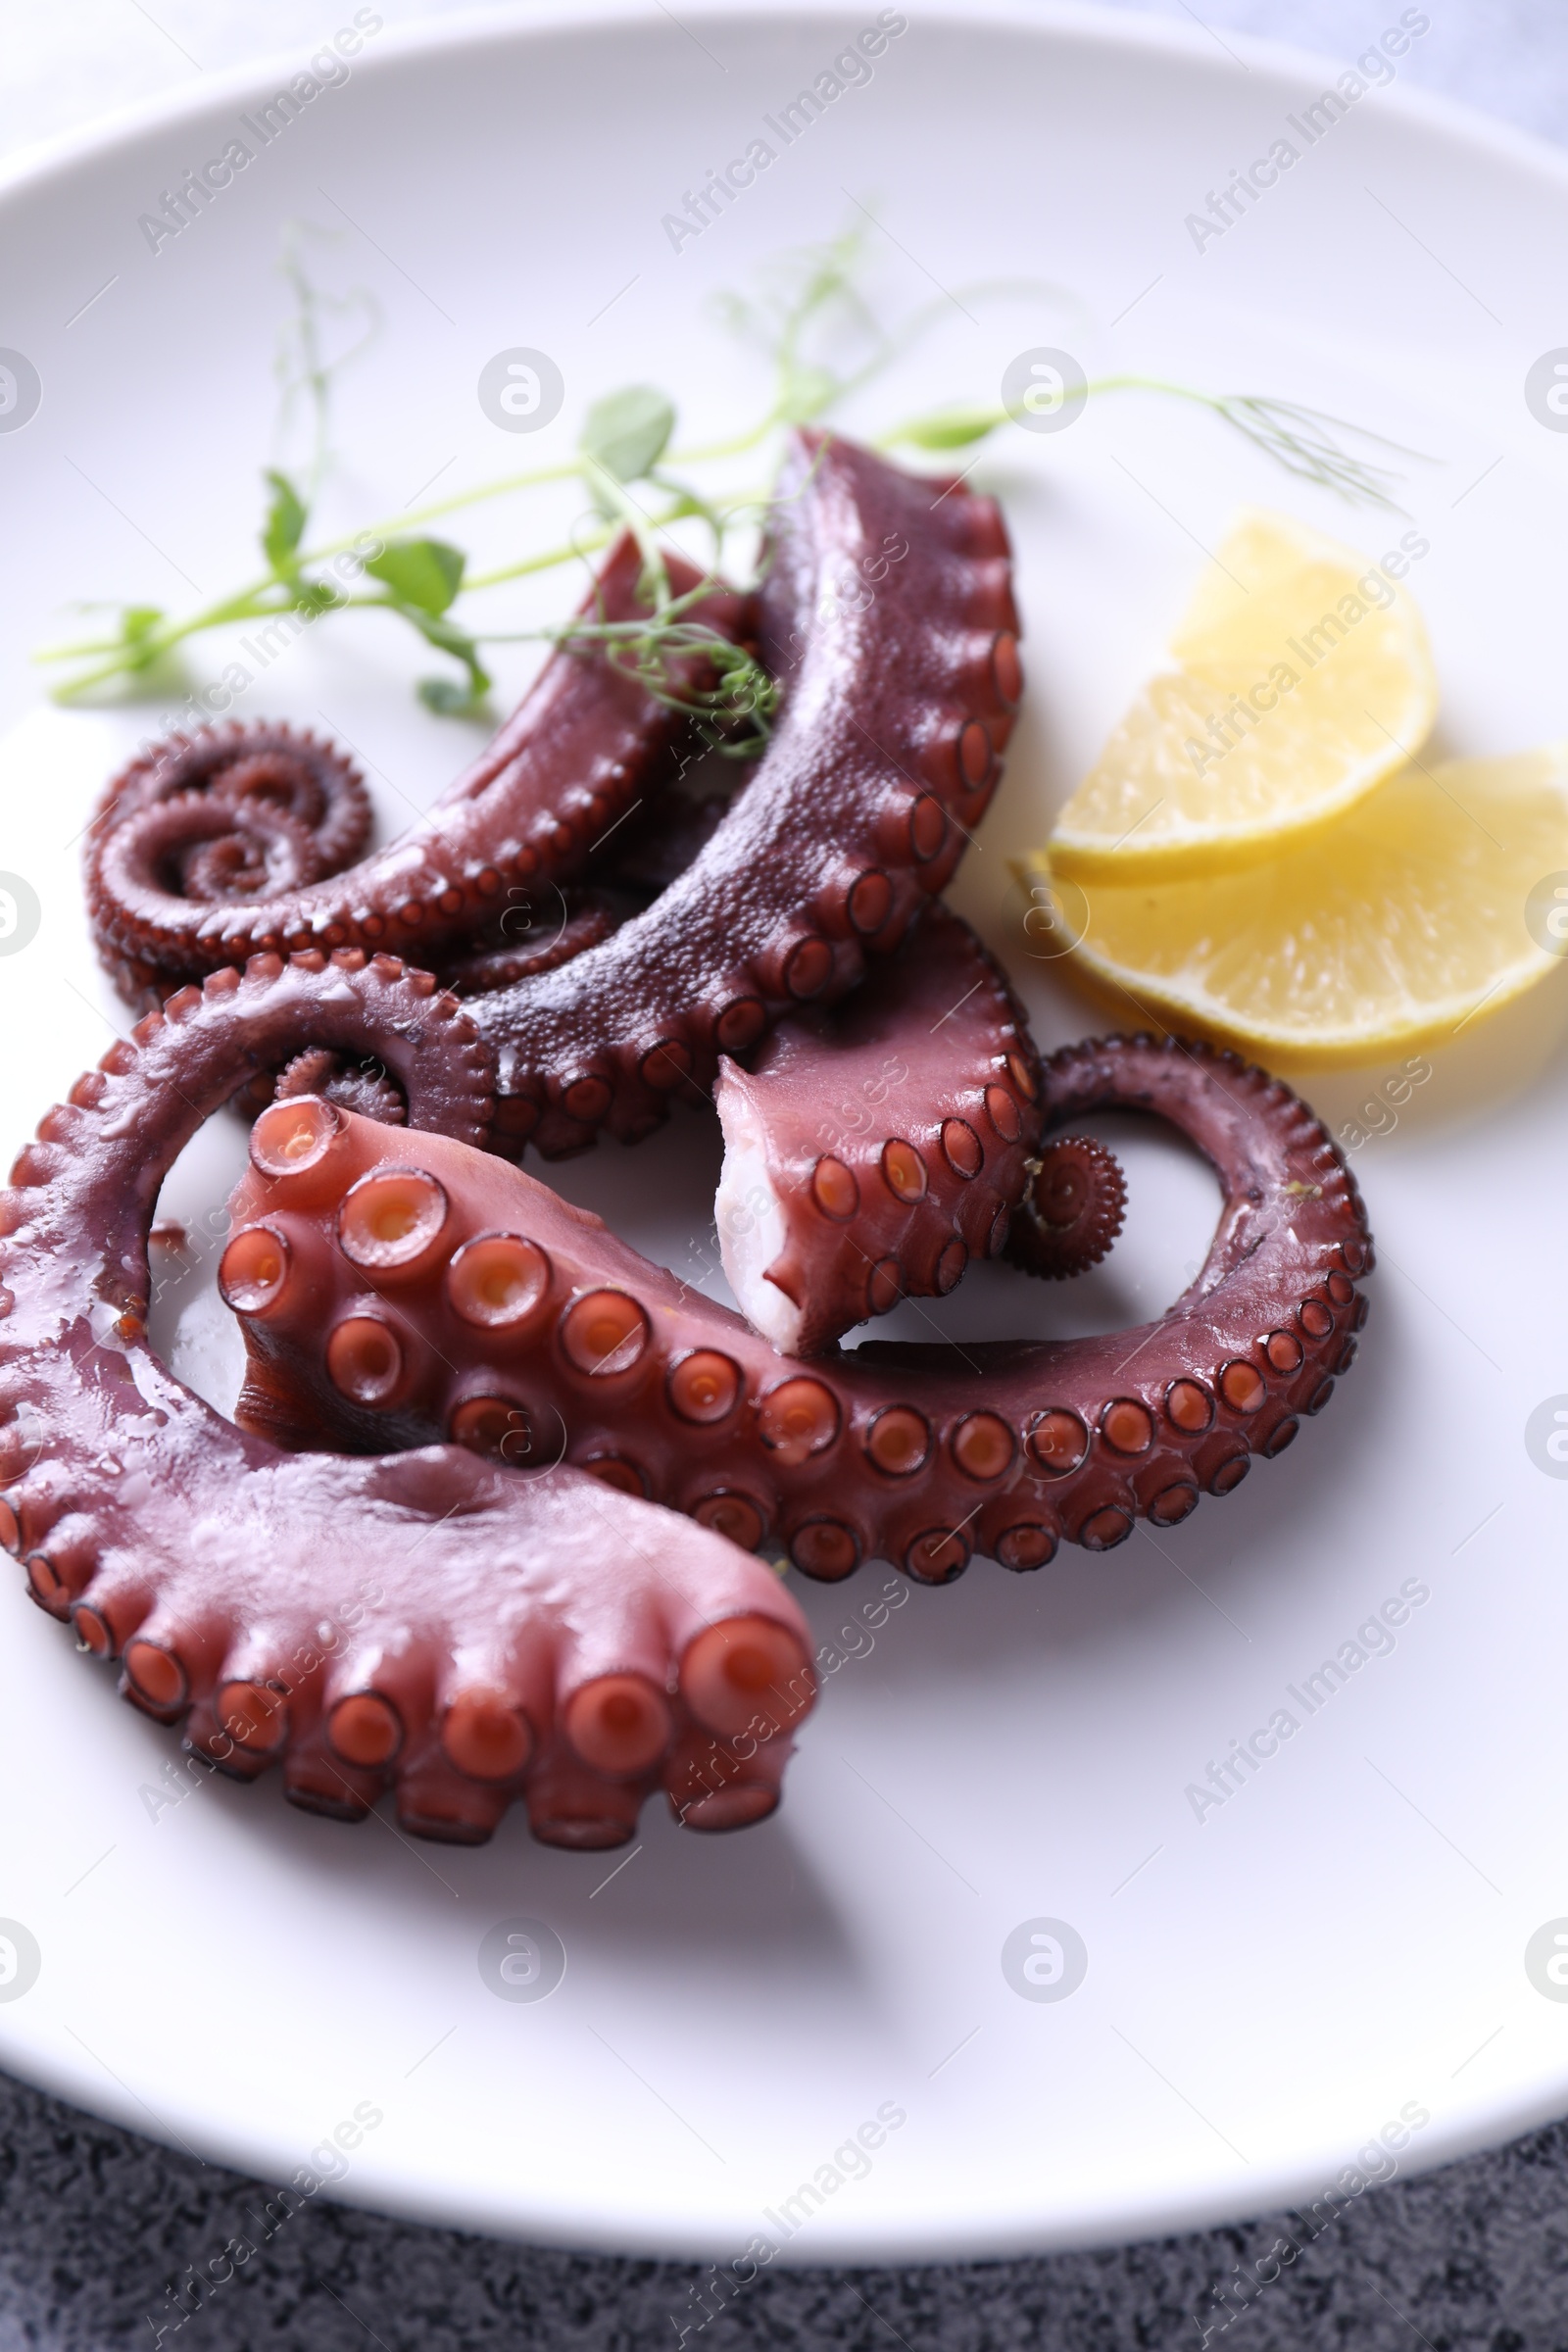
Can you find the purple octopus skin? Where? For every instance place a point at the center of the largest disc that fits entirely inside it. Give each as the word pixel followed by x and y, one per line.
pixel 181 882
pixel 433 1622
pixel 582 918
pixel 425 1289
pixel 887 614
pixel 872 1150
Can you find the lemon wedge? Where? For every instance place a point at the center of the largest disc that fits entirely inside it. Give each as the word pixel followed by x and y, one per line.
pixel 1299 678
pixel 1442 894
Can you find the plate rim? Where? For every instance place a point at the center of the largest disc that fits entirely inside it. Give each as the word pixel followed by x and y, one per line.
pixel 38 163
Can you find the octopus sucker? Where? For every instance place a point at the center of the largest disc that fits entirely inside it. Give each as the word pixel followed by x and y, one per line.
pixel 511 1316
pixel 189 869
pixel 872 1150
pixel 886 616
pixel 430 1622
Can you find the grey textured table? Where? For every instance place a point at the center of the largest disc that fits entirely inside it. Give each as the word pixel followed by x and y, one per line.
pixel 101 2231
pixel 98 2226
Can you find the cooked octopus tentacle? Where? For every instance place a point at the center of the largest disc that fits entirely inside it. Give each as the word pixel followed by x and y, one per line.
pixel 585 742
pixel 433 1623
pixel 887 614
pixel 415 1288
pixel 872 1150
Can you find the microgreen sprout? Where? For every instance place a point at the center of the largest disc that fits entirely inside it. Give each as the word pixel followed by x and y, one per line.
pixel 1299 440
pixel 809 318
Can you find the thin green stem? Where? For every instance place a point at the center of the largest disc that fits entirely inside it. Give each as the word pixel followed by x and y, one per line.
pixel 150 649
pixel 734 447
pixel 585 545
pixel 985 419
pixel 613 494
pixel 396 525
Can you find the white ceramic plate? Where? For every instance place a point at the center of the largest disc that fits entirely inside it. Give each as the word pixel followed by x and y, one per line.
pixel 1341 1941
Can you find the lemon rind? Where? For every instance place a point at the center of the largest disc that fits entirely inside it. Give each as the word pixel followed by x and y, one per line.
pixel 1320 1050
pixel 1083 857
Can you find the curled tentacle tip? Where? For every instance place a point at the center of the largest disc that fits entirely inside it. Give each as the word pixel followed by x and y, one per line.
pixel 1072 1212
